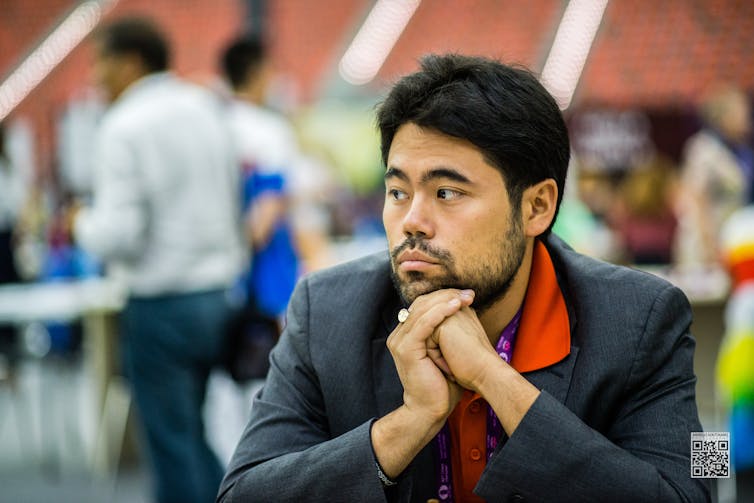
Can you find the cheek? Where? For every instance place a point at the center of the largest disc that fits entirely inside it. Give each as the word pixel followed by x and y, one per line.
pixel 485 242
pixel 391 223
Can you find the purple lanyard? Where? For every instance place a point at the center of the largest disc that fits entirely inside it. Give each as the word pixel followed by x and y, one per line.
pixel 494 428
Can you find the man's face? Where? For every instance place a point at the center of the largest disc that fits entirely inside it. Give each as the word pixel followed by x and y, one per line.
pixel 113 73
pixel 448 218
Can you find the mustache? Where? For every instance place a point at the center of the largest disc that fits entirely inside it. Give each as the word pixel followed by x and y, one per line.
pixel 422 245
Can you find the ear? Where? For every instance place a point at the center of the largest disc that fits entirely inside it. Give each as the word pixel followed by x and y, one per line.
pixel 538 207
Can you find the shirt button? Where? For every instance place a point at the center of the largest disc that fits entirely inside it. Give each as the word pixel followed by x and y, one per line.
pixel 474 407
pixel 475 454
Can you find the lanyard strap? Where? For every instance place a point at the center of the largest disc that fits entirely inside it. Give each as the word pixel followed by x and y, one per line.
pixel 504 348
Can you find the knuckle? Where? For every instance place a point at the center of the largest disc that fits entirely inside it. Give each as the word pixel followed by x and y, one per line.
pixel 390 343
pixel 439 331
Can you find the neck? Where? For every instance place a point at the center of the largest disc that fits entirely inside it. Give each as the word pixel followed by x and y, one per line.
pixel 497 317
pixel 248 98
pixel 252 92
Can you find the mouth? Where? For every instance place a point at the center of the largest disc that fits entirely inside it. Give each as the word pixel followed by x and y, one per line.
pixel 413 260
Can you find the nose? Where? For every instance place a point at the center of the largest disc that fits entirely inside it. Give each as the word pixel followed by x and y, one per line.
pixel 419 219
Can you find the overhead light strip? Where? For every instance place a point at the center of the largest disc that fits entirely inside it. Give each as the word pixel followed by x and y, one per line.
pixel 53 49
pixel 573 41
pixel 375 39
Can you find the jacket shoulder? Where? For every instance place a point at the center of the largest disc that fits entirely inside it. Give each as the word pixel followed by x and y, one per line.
pixel 360 284
pixel 583 275
pixel 614 303
pixel 355 271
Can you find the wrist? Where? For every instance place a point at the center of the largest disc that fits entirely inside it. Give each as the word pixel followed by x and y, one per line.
pixel 509 394
pixel 496 373
pixel 384 479
pixel 398 437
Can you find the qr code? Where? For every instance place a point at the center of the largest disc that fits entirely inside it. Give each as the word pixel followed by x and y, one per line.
pixel 710 455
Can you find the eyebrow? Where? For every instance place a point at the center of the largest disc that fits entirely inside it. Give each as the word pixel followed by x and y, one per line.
pixel 433 174
pixel 395 173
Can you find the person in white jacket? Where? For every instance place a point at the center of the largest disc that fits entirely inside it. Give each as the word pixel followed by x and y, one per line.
pixel 165 213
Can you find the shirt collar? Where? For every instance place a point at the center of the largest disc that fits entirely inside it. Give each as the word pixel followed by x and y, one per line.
pixel 544 335
pixel 145 82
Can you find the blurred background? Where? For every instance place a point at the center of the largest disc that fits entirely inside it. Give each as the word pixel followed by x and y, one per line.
pixel 638 80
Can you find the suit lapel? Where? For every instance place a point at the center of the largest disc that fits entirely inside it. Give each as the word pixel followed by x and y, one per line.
pixel 555 379
pixel 389 396
pixel 387 386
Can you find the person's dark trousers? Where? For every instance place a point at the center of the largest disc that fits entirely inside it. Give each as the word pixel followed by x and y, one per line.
pixel 8 274
pixel 170 345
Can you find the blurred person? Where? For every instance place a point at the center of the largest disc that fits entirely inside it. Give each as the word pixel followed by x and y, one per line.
pixel 576 224
pixel 13 193
pixel 597 187
pixel 643 215
pixel 267 149
pixel 735 365
pixel 717 175
pixel 498 364
pixel 164 213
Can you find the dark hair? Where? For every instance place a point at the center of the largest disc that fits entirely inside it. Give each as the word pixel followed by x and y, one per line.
pixel 135 35
pixel 503 110
pixel 242 58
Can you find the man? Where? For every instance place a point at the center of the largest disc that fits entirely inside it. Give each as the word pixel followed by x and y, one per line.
pixel 498 364
pixel 717 176
pixel 14 189
pixel 164 211
pixel 268 148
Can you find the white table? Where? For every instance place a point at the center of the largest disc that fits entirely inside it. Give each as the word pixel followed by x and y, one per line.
pixel 62 300
pixel 95 302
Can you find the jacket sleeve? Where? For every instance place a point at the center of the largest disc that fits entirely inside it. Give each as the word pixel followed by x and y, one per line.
pixel 286 452
pixel 115 225
pixel 643 456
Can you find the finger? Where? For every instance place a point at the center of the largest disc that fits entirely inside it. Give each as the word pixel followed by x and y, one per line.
pixel 467 297
pixel 436 356
pixel 426 301
pixel 423 304
pixel 420 325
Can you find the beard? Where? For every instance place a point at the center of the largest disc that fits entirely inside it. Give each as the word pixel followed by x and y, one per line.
pixel 490 279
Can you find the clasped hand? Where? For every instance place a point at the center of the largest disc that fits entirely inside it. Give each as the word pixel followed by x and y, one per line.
pixel 439 350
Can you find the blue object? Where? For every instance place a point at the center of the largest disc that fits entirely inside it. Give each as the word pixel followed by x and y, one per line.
pixel 274 268
pixel 65 262
pixel 742 435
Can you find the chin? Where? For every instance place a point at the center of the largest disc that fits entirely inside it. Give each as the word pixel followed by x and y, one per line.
pixel 413 284
pixel 412 289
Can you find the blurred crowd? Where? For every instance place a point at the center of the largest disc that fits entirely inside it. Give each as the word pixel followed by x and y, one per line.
pixel 649 209
pixel 288 208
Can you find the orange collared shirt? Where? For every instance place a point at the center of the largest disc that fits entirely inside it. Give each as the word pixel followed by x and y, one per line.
pixel 543 339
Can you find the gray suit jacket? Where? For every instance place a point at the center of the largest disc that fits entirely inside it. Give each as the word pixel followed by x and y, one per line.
pixel 612 424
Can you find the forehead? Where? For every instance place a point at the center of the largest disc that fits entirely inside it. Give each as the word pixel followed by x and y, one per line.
pixel 416 149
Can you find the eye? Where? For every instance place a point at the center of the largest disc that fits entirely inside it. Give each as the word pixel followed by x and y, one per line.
pixel 397 195
pixel 448 194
